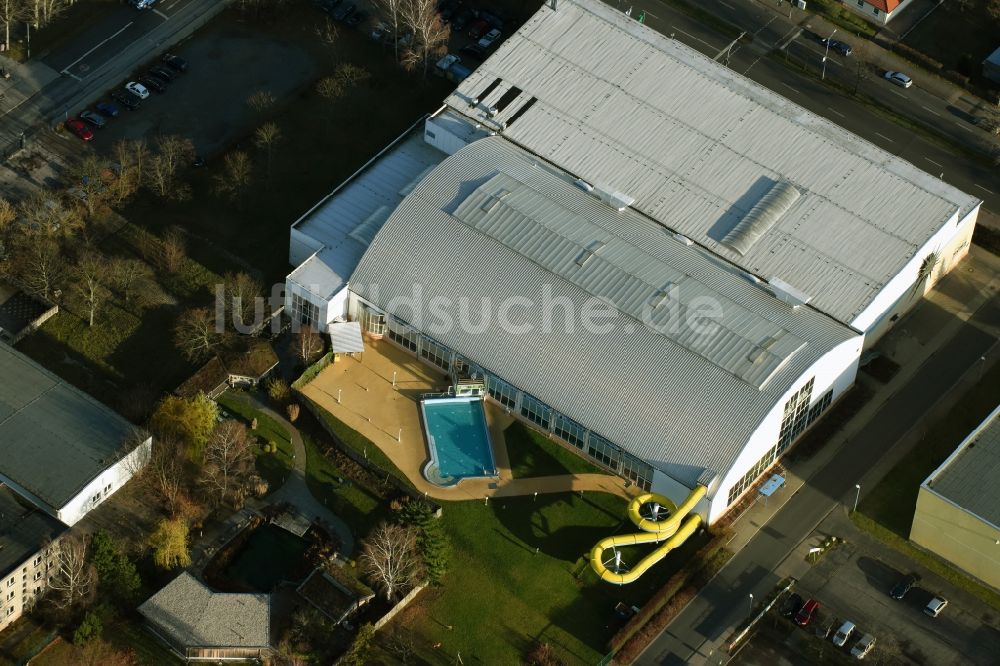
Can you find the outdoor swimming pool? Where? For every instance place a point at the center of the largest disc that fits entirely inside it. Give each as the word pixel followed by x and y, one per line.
pixel 458 440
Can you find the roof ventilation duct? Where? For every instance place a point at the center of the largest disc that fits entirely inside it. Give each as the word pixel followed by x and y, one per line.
pixel 764 215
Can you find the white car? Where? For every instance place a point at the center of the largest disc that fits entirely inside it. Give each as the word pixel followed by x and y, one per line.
pixel 137 89
pixel 486 41
pixel 863 647
pixel 844 633
pixel 899 79
pixel 935 606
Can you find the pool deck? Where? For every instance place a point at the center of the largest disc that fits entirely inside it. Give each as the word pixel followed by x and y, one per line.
pixel 371 405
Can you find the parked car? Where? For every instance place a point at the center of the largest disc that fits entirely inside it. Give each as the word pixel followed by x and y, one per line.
pixel 824 626
pixel 164 83
pixel 899 79
pixel 478 28
pixel 442 65
pixel 164 73
pixel 356 18
pixel 137 89
pixel 175 63
pixel 344 11
pixel 493 19
pixel 806 613
pixel 900 589
pixel 842 635
pixel 487 40
pixel 93 118
pixel 108 109
pixel 152 83
pixel 128 100
pixel 842 48
pixel 935 606
pixel 863 647
pixel 461 20
pixel 78 127
pixel 791 605
pixel 473 52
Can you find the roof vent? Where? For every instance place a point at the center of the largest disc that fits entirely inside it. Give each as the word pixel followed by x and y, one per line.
pixel 583 185
pixel 493 111
pixel 589 252
pixel 493 200
pixel 787 293
pixel 617 200
pixel 764 215
pixel 684 239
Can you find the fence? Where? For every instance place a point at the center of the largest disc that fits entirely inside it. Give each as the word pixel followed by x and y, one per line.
pixel 403 603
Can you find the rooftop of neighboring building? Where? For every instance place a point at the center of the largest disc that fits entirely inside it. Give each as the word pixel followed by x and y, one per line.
pixel 24 530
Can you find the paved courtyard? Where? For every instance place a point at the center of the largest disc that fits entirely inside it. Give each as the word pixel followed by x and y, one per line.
pixel 377 394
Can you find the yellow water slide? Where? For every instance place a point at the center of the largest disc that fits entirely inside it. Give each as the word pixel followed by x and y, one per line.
pixel 674 528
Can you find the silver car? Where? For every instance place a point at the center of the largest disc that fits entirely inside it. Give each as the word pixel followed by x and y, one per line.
pixel 899 79
pixel 863 647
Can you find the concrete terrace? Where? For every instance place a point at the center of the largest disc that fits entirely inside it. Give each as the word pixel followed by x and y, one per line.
pixel 369 403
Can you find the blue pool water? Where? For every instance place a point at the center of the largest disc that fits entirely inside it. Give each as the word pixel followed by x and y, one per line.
pixel 458 439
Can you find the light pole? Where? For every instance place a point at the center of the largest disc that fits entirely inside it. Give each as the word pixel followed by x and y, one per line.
pixel 827 54
pixel 751 603
pixel 857 496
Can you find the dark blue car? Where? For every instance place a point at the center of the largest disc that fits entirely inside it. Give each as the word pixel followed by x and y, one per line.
pixel 107 109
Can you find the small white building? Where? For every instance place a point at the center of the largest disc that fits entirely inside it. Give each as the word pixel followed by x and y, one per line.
pixel 877 11
pixel 60 449
pixel 598 159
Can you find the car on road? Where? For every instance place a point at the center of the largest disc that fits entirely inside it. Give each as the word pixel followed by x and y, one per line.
pixel 152 83
pixel 806 613
pixel 488 39
pixel 791 605
pixel 78 127
pixel 900 589
pixel 107 109
pixel 863 647
pixel 935 606
pixel 899 79
pixel 478 28
pixel 93 118
pixel 843 48
pixel 175 63
pixel 843 634
pixel 164 73
pixel 137 89
pixel 128 100
pixel 344 11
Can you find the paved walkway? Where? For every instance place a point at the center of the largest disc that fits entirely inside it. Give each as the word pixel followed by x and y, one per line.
pixel 377 396
pixel 296 491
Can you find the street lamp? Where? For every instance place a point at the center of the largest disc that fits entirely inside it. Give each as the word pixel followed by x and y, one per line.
pixel 827 54
pixel 857 496
pixel 751 603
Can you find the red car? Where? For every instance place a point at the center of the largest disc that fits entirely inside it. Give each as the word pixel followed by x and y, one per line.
pixel 806 613
pixel 478 28
pixel 78 127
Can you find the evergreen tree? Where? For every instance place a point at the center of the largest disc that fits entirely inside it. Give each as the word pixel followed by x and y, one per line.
pixel 432 539
pixel 116 573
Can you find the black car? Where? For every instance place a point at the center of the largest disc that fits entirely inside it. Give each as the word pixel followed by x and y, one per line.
pixel 159 79
pixel 791 606
pixel 473 52
pixel 842 48
pixel 356 18
pixel 344 11
pixel 175 63
pixel 164 73
pixel 128 100
pixel 900 589
pixel 153 83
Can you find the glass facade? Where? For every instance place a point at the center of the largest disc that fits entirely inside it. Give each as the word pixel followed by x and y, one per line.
pixel 570 431
pixel 747 479
pixel 535 411
pixel 796 416
pixel 435 353
pixel 373 322
pixel 403 335
pixel 502 392
pixel 305 312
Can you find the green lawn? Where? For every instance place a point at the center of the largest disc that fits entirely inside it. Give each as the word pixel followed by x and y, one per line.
pixel 532 454
pixel 273 467
pixel 501 596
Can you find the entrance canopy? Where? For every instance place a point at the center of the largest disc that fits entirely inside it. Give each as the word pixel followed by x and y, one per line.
pixel 346 337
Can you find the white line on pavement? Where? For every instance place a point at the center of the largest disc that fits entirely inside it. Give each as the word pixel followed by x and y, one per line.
pixel 726 4
pixel 833 110
pixel 788 86
pixel 689 35
pixel 884 136
pixel 169 5
pixel 983 188
pixel 161 14
pixel 931 110
pixel 963 126
pixel 896 92
pixel 74 76
pixel 934 163
pixel 72 64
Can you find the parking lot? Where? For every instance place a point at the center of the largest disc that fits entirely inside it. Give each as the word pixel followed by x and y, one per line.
pixel 852 582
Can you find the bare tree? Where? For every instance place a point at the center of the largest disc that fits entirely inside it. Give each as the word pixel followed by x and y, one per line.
pixel 89 175
pixel 164 473
pixel 124 274
pixel 266 137
pixel 350 75
pixel 46 216
pixel 430 34
pixel 327 32
pixel 261 100
pixel 8 214
pixel 198 334
pixel 228 461
pixel 241 291
pixel 172 152
pixel 91 274
pixel 234 181
pixel 11 13
pixel 74 577
pixel 39 265
pixel 135 465
pixel 392 13
pixel 131 157
pixel 391 558
pixel 330 88
pixel 308 343
pixel 173 250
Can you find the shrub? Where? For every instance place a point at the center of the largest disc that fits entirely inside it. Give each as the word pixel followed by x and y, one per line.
pixel 293 412
pixel 543 655
pixel 89 629
pixel 253 424
pixel 278 390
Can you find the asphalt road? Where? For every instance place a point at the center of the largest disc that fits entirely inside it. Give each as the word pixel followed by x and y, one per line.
pixel 723 603
pixel 824 100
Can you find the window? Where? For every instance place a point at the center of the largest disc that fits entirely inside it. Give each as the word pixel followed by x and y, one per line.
pixel 747 479
pixel 637 471
pixel 796 416
pixel 403 335
pixel 373 322
pixel 37 561
pixel 535 411
pixel 502 392
pixel 604 451
pixel 875 11
pixel 861 3
pixel 817 410
pixel 435 353
pixel 571 432
pixel 10 596
pixel 305 312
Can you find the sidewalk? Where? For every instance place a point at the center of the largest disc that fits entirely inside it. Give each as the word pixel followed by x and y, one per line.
pixel 26 80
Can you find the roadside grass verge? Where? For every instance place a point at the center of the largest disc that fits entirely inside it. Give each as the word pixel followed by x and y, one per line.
pixel 533 454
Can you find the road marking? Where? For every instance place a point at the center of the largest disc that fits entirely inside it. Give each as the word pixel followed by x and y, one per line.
pixel 161 14
pixel 896 92
pixel 73 76
pixel 726 4
pixel 884 136
pixel 833 110
pixel 963 126
pixel 788 86
pixel 931 111
pixel 168 6
pixel 983 188
pixel 72 64
pixel 933 162
pixel 697 39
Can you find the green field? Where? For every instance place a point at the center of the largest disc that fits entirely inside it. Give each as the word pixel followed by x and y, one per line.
pixel 533 454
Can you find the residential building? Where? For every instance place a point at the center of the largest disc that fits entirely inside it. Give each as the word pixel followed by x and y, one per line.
pixel 879 12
